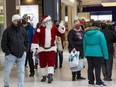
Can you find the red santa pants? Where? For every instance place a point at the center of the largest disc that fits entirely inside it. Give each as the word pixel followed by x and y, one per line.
pixel 47 59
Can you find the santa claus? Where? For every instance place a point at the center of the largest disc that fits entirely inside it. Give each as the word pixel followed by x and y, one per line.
pixel 44 41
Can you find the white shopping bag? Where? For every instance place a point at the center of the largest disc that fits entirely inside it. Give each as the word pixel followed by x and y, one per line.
pixel 73 60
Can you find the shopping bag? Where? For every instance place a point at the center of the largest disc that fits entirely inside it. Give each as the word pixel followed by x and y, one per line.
pixel 73 60
pixel 80 66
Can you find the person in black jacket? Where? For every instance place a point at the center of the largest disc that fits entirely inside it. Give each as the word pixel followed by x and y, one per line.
pixel 108 64
pixel 15 45
pixel 75 40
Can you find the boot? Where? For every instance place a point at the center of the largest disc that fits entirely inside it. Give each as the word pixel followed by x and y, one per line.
pixel 32 74
pixel 50 79
pixel 43 79
pixel 73 76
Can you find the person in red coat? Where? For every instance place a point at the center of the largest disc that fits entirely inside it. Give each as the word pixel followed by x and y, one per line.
pixel 44 42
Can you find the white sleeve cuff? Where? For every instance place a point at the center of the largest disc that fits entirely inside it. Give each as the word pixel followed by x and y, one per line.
pixel 61 29
pixel 34 46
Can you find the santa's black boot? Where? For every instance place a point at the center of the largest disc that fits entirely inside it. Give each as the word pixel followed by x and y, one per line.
pixel 50 79
pixel 43 79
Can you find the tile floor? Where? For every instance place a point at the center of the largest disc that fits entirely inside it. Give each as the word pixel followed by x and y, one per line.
pixel 62 77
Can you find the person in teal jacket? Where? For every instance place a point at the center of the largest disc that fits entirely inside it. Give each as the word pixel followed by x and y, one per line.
pixel 95 49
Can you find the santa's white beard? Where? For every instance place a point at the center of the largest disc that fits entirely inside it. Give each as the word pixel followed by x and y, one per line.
pixel 48 34
pixel 49 25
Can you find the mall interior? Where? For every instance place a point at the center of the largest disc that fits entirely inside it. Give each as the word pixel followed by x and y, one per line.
pixel 67 10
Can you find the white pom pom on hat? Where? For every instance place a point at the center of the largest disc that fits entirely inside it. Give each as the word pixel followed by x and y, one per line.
pixel 16 17
pixel 38 30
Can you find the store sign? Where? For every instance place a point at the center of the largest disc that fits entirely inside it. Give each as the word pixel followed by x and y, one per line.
pixel 32 11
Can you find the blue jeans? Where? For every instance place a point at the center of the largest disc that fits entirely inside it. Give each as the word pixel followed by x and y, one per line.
pixel 9 62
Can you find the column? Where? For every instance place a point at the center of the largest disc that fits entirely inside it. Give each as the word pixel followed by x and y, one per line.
pixel 52 8
pixel 70 17
pixel 63 11
pixel 10 10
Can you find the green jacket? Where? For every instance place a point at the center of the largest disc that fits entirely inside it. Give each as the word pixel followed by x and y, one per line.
pixel 94 43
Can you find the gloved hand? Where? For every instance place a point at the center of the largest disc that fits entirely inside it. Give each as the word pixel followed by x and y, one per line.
pixel 61 23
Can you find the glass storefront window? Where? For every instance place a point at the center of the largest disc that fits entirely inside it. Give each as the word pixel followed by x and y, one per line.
pixel 101 17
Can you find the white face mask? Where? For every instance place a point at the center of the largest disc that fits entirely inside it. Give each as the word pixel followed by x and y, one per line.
pixel 48 23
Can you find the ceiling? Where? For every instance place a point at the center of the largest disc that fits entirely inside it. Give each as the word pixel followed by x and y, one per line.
pixel 98 2
pixel 91 2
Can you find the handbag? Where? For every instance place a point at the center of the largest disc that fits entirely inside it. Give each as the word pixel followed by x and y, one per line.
pixel 73 60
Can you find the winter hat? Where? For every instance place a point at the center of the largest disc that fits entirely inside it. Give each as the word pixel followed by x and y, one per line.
pixel 16 17
pixel 96 24
pixel 25 17
pixel 45 18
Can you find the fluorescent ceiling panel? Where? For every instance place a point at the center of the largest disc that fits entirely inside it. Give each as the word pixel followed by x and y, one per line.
pixel 107 4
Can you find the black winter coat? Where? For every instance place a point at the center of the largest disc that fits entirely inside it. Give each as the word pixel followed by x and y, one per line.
pixel 14 41
pixel 110 39
pixel 75 40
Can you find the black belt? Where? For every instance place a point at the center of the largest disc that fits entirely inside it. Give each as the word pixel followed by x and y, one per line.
pixel 46 47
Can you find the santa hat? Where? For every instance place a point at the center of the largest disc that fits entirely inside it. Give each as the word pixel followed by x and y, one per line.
pixel 45 18
pixel 16 17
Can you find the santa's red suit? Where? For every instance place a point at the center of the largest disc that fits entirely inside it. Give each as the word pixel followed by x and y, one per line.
pixel 44 40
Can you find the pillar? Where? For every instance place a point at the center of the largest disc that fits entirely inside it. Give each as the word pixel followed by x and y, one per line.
pixel 52 8
pixel 10 10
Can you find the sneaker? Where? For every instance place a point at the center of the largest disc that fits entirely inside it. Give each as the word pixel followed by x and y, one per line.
pixel 101 85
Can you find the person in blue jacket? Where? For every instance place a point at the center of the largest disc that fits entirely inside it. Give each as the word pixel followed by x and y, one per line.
pixel 30 31
pixel 95 50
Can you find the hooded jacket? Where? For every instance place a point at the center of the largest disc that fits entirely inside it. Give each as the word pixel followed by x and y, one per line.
pixel 94 43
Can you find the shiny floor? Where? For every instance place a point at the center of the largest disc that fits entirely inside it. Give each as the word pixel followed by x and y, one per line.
pixel 62 77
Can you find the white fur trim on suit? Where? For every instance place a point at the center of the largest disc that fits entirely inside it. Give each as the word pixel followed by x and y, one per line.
pixel 41 49
pixel 61 29
pixel 46 19
pixel 38 30
pixel 50 70
pixel 48 37
pixel 44 71
pixel 33 46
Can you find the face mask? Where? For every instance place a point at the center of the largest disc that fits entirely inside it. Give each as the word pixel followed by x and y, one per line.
pixel 48 23
pixel 77 26
pixel 19 23
pixel 57 25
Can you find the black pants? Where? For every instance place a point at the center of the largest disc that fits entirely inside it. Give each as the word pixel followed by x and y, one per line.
pixel 60 56
pixel 76 74
pixel 107 66
pixel 30 60
pixel 94 63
